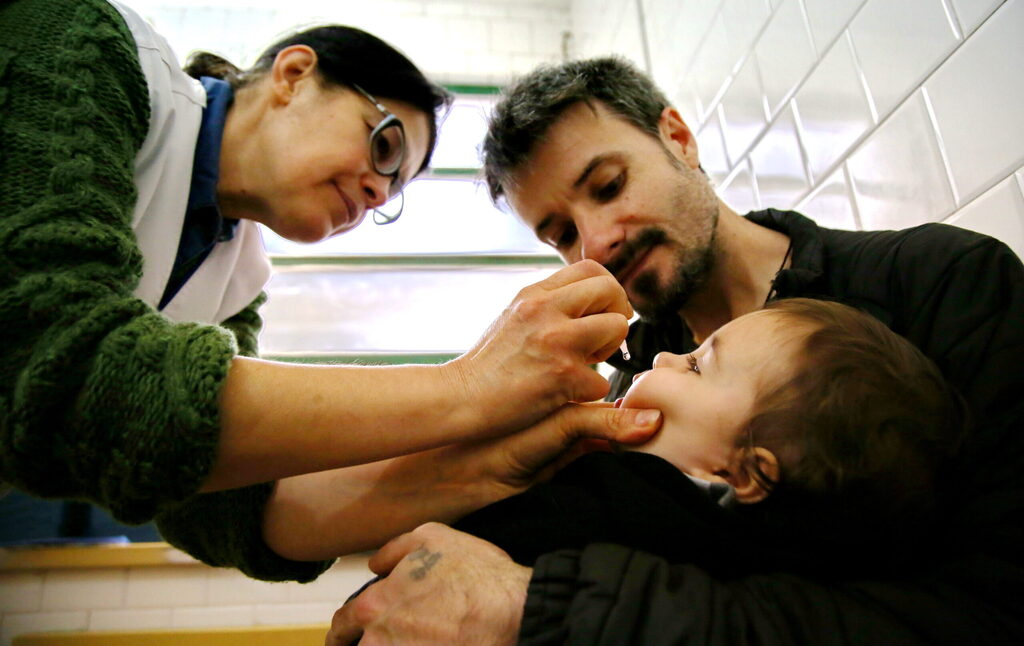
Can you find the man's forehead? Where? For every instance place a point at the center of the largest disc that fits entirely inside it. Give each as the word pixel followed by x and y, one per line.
pixel 584 135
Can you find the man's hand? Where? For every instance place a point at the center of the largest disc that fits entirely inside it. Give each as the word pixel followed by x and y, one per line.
pixel 537 355
pixel 443 588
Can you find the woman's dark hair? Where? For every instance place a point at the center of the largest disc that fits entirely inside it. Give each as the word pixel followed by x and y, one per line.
pixel 346 56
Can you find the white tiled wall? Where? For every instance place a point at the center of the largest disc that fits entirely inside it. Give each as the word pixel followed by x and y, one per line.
pixel 456 41
pixel 175 596
pixel 861 113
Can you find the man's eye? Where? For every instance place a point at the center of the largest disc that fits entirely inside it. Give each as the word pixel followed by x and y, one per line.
pixel 692 360
pixel 610 190
pixel 565 238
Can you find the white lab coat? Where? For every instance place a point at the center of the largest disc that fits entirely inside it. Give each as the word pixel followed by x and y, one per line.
pixel 236 271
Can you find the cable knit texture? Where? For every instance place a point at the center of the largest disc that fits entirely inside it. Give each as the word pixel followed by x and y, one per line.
pixel 102 398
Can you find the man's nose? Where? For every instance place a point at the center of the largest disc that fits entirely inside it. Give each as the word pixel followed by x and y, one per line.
pixel 599 240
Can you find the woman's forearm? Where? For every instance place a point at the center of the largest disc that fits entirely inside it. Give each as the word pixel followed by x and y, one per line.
pixel 324 515
pixel 280 420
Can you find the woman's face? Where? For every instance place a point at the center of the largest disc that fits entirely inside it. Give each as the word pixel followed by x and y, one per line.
pixel 708 397
pixel 304 168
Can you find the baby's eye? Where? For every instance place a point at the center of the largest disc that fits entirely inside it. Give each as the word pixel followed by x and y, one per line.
pixel 692 360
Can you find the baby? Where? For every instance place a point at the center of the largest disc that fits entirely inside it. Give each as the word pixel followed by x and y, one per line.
pixel 827 428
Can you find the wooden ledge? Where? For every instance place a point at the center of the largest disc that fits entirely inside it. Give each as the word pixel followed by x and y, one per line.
pixel 92 556
pixel 299 635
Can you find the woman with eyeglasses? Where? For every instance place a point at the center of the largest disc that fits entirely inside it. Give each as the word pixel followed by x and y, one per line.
pixel 132 274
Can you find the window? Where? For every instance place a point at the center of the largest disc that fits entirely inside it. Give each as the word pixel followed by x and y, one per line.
pixel 422 289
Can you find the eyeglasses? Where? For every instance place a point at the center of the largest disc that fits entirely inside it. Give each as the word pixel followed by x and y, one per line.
pixel 387 152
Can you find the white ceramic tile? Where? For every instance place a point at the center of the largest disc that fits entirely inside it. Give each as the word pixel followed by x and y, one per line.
pixel 829 17
pixel 510 35
pixel 784 53
pixel 282 614
pixel 898 177
pixel 347 575
pixel 778 164
pixel 133 619
pixel 166 587
pixel 546 38
pixel 832 109
pixel 471 34
pixel 445 9
pixel 999 212
pixel 20 623
pixel 831 204
pixel 712 65
pixel 898 44
pixel 711 149
pixel 674 32
pixel 20 592
pixel 83 589
pixel 739 191
pixel 978 99
pixel 213 617
pixel 744 20
pixel 231 587
pixel 971 13
pixel 626 37
pixel 684 98
pixel 743 110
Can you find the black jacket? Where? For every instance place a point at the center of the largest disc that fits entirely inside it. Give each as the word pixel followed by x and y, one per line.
pixel 645 502
pixel 958 296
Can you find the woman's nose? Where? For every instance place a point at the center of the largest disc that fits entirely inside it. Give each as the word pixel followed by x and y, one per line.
pixel 375 188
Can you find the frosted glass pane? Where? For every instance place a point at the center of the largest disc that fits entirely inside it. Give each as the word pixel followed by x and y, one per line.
pixel 440 216
pixel 387 309
pixel 462 133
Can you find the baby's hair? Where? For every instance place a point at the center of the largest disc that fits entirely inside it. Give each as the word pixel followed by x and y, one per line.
pixel 865 418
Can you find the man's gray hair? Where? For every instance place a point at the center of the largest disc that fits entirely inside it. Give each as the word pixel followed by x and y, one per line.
pixel 535 102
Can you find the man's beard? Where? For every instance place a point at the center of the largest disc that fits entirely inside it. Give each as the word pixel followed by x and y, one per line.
pixel 652 299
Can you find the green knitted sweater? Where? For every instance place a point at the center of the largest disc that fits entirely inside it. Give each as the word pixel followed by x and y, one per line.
pixel 102 398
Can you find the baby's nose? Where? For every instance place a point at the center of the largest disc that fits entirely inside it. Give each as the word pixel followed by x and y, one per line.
pixel 667 360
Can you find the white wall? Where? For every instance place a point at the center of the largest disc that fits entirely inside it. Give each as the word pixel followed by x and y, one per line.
pixel 865 114
pixel 174 596
pixel 453 41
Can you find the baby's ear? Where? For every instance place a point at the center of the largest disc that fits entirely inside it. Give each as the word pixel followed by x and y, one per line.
pixel 750 487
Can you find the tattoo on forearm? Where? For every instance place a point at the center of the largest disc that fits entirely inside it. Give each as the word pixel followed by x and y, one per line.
pixel 426 559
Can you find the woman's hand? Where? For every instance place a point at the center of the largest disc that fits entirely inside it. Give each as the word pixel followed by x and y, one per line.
pixel 537 355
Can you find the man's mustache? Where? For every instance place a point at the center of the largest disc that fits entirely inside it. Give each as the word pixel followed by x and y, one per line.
pixel 643 241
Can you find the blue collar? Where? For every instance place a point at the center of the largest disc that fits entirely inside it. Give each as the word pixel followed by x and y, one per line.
pixel 206 164
pixel 204 226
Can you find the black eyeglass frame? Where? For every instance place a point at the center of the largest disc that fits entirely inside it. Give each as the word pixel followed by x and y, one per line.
pixel 390 120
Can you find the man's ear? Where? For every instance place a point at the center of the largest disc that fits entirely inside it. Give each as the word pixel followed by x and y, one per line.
pixel 291 65
pixel 750 488
pixel 678 138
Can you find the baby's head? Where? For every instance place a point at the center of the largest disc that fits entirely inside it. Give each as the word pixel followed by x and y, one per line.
pixel 805 396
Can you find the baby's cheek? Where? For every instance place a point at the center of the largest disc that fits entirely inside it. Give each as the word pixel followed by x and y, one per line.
pixel 666 444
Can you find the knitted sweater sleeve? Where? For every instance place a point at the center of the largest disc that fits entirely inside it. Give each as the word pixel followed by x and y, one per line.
pixel 225 529
pixel 101 397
